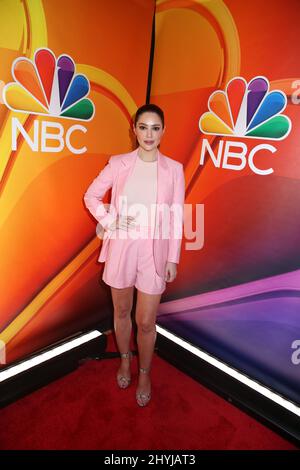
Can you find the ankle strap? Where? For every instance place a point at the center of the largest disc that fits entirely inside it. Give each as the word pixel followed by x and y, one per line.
pixel 126 355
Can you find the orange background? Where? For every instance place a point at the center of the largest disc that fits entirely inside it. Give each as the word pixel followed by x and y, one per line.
pixel 49 274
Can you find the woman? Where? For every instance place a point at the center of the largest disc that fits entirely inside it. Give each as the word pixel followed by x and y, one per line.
pixel 142 243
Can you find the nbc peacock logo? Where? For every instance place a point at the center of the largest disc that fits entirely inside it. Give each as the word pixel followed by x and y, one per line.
pixel 48 86
pixel 245 110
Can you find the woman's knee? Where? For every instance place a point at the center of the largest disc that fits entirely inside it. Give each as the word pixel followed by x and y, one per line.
pixel 122 311
pixel 146 326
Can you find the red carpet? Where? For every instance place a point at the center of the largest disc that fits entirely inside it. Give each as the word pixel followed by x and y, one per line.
pixel 86 410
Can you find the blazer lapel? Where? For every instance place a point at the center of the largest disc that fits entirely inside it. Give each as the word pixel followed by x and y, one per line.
pixel 127 162
pixel 163 178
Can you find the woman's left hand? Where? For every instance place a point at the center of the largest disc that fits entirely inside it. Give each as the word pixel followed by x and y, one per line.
pixel 171 271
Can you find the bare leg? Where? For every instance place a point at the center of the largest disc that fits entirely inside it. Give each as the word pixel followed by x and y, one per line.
pixel 122 301
pixel 146 311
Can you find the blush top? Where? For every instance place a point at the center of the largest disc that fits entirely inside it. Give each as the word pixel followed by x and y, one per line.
pixel 139 193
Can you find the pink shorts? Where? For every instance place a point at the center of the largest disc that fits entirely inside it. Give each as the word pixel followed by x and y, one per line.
pixel 130 262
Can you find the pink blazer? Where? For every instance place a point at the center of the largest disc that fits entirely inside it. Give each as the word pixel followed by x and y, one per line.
pixel 170 191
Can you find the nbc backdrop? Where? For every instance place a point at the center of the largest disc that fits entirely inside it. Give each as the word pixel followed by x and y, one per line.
pixel 231 98
pixel 70 83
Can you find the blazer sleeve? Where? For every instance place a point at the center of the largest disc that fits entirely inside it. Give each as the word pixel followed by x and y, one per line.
pixel 177 216
pixel 96 191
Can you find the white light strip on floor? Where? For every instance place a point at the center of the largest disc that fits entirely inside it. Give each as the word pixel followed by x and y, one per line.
pixel 232 372
pixel 45 356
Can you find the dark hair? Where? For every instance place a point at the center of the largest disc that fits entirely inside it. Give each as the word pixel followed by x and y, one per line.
pixel 150 108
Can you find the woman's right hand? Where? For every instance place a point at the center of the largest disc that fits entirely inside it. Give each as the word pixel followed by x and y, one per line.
pixel 122 222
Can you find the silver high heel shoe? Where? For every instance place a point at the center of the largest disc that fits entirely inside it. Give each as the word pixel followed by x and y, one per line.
pixel 122 381
pixel 143 398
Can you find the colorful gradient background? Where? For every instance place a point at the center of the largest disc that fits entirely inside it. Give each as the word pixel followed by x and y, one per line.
pixel 49 274
pixel 238 297
pixel 50 279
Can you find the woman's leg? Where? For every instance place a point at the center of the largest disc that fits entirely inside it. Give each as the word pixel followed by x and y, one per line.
pixel 123 301
pixel 146 312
